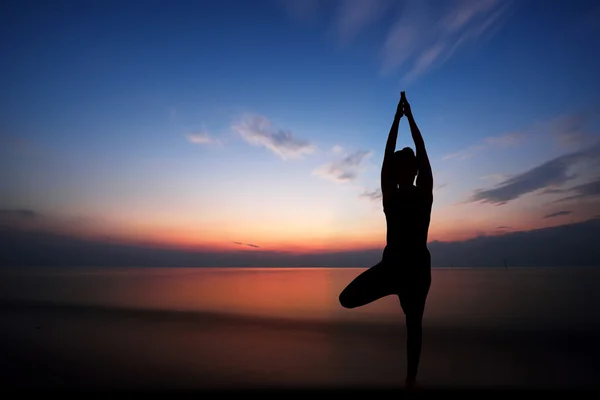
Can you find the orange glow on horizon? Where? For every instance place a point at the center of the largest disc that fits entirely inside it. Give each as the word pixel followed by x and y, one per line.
pixel 293 237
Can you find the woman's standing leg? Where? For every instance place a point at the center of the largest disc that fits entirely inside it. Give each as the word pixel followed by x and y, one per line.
pixel 413 304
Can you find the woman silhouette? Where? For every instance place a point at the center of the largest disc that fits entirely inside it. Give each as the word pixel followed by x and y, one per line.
pixel 405 268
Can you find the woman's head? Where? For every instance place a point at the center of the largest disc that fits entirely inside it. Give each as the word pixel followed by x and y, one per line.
pixel 405 166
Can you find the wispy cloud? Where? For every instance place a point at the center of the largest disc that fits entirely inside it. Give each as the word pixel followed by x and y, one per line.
pixel 247 244
pixel 503 229
pixel 337 149
pixel 201 137
pixel 373 195
pixel 354 16
pixel 492 142
pixel 558 214
pixel 571 131
pixel 495 177
pixel 344 170
pixel 258 131
pixel 465 153
pixel 551 191
pixel 19 213
pixel 585 191
pixel 428 33
pixel 425 33
pixel 548 175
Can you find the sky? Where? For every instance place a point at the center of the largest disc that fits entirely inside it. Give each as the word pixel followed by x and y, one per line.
pixel 228 126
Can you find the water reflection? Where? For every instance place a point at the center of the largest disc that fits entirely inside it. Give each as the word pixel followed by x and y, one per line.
pixel 536 297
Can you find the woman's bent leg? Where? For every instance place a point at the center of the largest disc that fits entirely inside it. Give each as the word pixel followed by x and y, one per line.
pixel 369 286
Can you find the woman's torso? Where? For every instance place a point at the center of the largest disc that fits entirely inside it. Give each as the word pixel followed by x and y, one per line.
pixel 407 214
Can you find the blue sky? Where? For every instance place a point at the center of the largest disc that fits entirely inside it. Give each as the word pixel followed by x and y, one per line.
pixel 205 123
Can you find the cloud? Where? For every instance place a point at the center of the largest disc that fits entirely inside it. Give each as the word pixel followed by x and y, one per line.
pixel 491 142
pixel 583 192
pixel 22 218
pixel 247 244
pixel 506 140
pixel 568 129
pixel 495 177
pixel 574 130
pixel 558 214
pixel 19 213
pixel 427 34
pixel 373 195
pixel 201 138
pixel 571 131
pixel 551 191
pixel 337 149
pixel 424 61
pixel 355 15
pixel 346 169
pixel 424 33
pixel 258 131
pixel 550 174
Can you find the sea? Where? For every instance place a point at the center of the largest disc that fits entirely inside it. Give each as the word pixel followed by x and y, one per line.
pixel 245 328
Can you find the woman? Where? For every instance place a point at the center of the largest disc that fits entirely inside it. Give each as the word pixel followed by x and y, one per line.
pixel 405 268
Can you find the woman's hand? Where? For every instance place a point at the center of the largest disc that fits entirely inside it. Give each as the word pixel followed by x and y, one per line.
pixel 400 109
pixel 405 105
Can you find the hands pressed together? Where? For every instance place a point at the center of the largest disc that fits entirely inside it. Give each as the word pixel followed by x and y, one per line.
pixel 403 106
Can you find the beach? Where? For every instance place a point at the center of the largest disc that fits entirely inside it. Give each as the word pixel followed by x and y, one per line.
pixel 60 333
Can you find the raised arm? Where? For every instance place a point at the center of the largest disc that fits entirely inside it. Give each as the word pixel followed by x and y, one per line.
pixel 387 179
pixel 425 175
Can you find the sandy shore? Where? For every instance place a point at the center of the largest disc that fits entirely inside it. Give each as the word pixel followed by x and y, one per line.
pixel 64 347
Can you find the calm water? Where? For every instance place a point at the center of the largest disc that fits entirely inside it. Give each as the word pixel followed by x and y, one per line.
pixel 520 297
pixel 533 328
